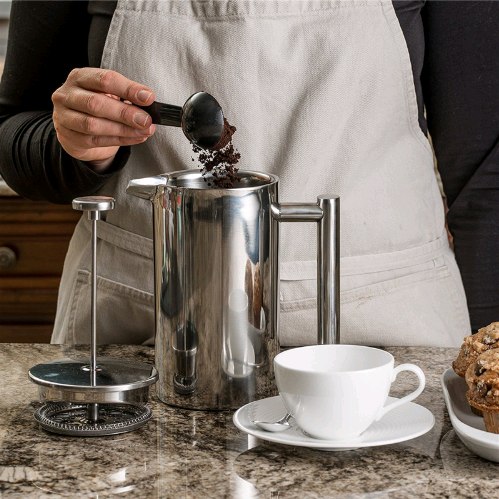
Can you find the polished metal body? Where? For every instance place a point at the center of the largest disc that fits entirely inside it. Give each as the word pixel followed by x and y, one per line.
pixel 115 381
pixel 217 284
pixel 93 204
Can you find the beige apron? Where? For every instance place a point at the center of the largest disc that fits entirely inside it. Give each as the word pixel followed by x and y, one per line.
pixel 322 95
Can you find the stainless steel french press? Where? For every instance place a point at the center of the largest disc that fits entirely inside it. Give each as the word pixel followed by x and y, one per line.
pixel 216 270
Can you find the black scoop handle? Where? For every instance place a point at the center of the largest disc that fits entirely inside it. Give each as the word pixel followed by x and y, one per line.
pixel 164 114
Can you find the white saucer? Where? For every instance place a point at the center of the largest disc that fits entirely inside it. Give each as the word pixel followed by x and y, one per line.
pixel 402 423
pixel 469 427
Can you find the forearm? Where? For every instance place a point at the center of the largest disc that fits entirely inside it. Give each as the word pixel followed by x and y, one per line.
pixel 34 164
pixel 50 38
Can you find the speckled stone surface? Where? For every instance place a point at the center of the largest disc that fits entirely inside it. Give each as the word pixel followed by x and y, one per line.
pixel 193 454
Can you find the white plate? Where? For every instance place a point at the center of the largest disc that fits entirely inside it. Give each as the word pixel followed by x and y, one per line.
pixel 469 427
pixel 402 423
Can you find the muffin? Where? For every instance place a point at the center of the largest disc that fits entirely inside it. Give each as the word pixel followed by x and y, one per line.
pixel 487 338
pixel 474 345
pixel 482 378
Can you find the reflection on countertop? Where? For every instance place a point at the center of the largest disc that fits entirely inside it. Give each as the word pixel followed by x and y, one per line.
pixel 192 454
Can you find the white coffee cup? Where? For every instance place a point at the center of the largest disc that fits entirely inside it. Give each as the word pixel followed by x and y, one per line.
pixel 335 392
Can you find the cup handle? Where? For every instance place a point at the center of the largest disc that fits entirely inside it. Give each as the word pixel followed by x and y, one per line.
pixel 419 373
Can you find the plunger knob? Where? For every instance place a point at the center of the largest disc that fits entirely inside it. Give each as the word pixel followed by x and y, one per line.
pixel 93 203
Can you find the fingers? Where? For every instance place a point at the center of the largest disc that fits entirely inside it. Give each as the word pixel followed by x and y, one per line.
pixel 101 105
pixel 110 82
pixel 90 119
pixel 89 124
pixel 90 147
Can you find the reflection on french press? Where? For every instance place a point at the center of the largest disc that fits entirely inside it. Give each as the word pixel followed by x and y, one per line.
pixel 244 346
pixel 238 355
pixel 185 347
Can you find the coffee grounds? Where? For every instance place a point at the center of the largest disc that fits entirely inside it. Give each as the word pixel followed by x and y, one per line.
pixel 220 160
pixel 227 133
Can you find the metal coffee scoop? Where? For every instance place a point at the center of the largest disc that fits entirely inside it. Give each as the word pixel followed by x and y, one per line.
pixel 98 395
pixel 201 118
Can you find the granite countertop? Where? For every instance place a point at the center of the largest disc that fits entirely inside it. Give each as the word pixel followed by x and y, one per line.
pixel 193 454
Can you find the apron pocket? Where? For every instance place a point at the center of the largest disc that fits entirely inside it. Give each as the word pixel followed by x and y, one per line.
pixel 124 314
pixel 421 308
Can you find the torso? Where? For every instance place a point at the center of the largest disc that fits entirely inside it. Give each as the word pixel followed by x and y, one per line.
pixel 330 107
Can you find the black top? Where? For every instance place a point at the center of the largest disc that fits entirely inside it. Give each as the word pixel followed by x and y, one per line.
pixel 453 47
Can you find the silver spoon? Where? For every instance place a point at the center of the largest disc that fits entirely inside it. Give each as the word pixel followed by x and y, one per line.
pixel 276 426
pixel 201 118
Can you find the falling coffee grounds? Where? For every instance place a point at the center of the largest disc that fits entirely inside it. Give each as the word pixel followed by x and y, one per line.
pixel 220 160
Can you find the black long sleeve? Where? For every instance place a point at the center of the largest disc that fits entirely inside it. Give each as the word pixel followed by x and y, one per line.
pixel 461 93
pixel 46 41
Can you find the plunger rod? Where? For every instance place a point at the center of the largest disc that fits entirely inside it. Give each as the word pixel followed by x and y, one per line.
pixel 94 216
pixel 93 409
pixel 93 412
pixel 93 205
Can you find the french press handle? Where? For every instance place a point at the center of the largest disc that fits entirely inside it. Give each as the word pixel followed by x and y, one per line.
pixel 326 213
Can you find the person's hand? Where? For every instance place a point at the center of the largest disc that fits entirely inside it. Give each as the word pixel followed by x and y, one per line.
pixel 92 122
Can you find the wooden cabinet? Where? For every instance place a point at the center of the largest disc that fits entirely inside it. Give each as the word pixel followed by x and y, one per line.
pixel 34 238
